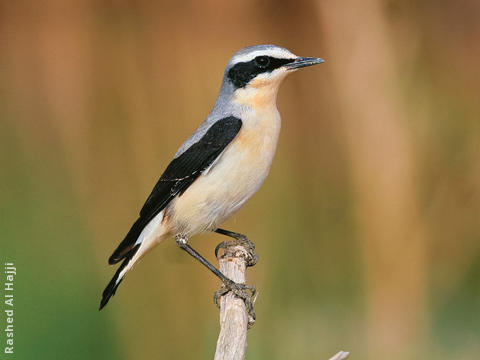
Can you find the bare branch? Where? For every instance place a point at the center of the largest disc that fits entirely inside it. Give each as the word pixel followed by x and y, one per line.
pixel 340 355
pixel 234 319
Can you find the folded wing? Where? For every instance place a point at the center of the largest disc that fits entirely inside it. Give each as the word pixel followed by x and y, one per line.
pixel 178 176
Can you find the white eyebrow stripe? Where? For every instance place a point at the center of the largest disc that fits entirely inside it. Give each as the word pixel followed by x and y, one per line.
pixel 278 53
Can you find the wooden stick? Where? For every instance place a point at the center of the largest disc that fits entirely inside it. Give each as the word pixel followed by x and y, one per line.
pixel 234 319
pixel 340 355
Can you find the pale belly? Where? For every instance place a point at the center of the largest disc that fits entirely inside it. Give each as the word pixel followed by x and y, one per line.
pixel 231 181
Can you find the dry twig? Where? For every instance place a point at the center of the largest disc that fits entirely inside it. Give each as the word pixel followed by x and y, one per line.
pixel 234 318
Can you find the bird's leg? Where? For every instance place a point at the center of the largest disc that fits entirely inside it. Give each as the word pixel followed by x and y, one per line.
pixel 239 239
pixel 182 242
pixel 240 290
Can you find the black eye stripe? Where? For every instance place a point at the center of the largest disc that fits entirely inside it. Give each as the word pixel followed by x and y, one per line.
pixel 241 73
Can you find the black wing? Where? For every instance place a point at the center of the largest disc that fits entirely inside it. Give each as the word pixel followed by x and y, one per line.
pixel 178 176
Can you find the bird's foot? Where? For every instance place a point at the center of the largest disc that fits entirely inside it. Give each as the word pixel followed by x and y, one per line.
pixel 247 293
pixel 241 240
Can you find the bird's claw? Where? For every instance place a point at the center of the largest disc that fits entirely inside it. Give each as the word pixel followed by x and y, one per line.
pixel 247 293
pixel 251 256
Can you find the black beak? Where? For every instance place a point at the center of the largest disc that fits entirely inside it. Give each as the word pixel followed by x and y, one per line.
pixel 301 62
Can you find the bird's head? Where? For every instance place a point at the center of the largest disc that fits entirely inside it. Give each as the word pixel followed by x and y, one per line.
pixel 255 72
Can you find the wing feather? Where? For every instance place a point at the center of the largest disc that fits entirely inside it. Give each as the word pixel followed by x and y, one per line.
pixel 178 176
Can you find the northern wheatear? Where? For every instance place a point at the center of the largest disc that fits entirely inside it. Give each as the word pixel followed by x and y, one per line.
pixel 219 167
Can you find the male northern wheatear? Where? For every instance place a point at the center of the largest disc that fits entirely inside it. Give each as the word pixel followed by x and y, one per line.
pixel 219 167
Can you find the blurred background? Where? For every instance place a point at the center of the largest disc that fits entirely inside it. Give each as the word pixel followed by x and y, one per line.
pixel 367 227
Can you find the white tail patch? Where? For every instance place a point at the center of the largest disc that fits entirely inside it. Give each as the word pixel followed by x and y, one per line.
pixel 150 236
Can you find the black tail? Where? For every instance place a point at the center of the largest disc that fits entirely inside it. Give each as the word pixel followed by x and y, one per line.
pixel 128 243
pixel 115 282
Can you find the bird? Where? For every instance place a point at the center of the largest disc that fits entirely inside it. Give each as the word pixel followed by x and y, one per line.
pixel 218 168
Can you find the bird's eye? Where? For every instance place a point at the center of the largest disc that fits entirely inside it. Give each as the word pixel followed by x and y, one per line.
pixel 262 61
